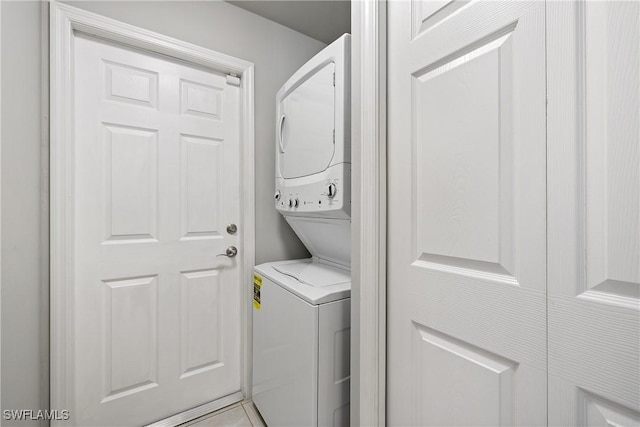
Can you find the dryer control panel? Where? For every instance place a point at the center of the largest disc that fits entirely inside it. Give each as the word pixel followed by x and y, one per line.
pixel 328 197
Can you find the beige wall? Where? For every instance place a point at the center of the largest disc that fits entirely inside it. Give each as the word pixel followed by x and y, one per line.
pixel 276 52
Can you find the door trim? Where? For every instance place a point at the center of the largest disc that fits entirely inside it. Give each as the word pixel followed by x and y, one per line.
pixel 0 190
pixel 369 154
pixel 65 20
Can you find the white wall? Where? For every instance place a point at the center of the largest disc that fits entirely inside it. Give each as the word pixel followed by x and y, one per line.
pixel 276 52
pixel 22 320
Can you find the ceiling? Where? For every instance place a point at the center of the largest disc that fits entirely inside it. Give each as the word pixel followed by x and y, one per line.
pixel 323 20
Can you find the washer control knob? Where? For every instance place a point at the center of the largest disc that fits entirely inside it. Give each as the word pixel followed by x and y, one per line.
pixel 296 203
pixel 331 190
pixel 277 196
pixel 290 203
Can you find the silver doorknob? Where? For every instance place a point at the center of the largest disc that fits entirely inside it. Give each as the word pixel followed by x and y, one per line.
pixel 232 228
pixel 230 252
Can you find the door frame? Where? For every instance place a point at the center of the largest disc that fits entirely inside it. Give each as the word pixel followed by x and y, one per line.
pixel 65 20
pixel 369 212
pixel 0 192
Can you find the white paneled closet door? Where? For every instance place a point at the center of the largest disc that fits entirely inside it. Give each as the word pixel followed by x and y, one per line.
pixel 514 227
pixel 467 213
pixel 594 213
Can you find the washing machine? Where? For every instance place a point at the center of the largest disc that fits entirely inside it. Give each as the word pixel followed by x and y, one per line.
pixel 301 315
pixel 301 338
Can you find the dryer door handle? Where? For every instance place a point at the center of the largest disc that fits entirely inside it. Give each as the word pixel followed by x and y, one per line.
pixel 281 132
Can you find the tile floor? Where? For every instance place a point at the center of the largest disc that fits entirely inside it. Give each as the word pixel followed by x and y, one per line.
pixel 241 414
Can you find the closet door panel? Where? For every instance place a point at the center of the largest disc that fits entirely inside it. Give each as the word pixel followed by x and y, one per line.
pixel 466 288
pixel 593 213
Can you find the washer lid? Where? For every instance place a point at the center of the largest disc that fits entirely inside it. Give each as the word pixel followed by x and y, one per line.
pixel 315 274
pixel 328 290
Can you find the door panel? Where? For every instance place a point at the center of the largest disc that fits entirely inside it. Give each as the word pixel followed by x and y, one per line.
pixel 594 213
pixel 467 247
pixel 131 336
pixel 156 312
pixel 200 204
pixel 200 303
pixel 131 181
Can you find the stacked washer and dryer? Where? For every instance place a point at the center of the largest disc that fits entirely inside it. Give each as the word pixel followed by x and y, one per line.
pixel 301 316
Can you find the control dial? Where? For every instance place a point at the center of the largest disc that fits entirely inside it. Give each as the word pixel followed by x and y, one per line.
pixel 296 203
pixel 277 196
pixel 290 203
pixel 331 190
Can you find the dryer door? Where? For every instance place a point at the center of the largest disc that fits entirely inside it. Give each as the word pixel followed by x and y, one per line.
pixel 306 126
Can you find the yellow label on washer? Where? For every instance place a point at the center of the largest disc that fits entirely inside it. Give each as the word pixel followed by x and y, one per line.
pixel 257 284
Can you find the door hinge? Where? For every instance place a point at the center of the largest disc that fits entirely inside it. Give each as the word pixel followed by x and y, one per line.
pixel 334 78
pixel 233 80
pixel 334 136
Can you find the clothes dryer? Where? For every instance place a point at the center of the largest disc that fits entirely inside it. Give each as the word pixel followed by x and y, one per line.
pixel 313 153
pixel 301 321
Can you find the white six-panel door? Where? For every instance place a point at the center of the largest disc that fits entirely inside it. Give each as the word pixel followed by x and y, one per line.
pixel 467 247
pixel 594 213
pixel 513 228
pixel 156 312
